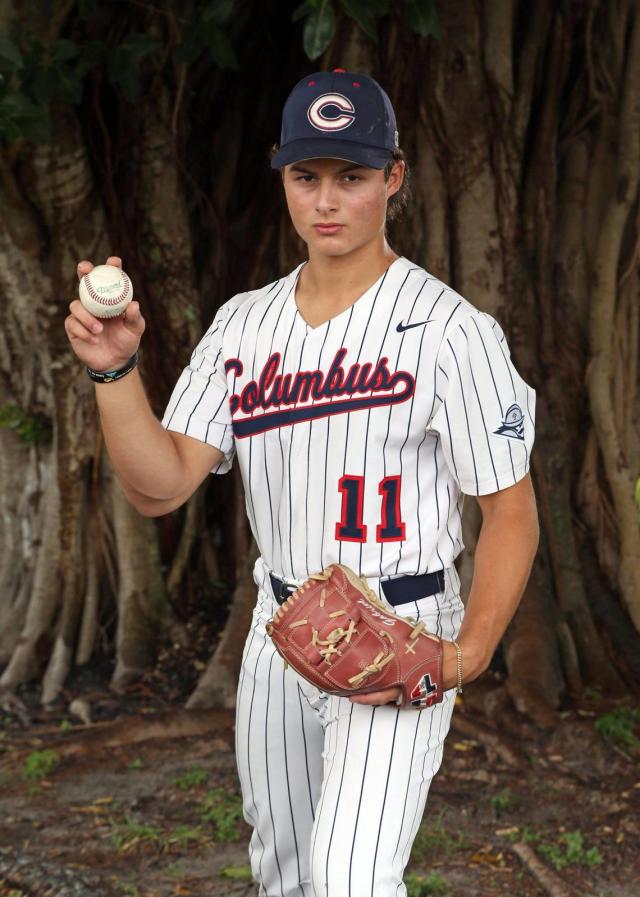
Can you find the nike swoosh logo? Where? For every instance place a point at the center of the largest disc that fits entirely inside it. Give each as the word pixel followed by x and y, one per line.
pixel 402 327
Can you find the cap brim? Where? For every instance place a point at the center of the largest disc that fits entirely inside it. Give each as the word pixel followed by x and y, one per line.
pixel 330 148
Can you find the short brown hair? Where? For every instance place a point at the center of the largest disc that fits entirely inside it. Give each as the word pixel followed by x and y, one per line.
pixel 400 200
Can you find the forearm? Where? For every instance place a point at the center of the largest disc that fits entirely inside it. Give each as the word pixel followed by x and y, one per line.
pixel 141 450
pixel 504 555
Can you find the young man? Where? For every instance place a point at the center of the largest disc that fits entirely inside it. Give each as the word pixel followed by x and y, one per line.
pixel 362 397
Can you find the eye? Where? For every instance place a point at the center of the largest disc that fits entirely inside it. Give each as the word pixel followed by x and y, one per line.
pixel 305 177
pixel 354 177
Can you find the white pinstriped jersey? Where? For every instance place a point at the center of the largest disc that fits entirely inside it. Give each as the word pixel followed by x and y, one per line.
pixel 357 439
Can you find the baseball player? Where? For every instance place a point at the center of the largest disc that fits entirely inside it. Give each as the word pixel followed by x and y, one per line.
pixel 362 398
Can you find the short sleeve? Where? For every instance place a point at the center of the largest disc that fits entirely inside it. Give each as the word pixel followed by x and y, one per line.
pixel 485 411
pixel 199 403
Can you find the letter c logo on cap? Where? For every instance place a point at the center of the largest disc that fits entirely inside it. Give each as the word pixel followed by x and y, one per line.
pixel 318 117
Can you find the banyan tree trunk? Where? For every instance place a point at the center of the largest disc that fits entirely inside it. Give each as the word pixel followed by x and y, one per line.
pixel 218 684
pixel 51 218
pixel 522 127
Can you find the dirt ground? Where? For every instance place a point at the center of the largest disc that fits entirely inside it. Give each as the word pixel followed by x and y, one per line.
pixel 144 802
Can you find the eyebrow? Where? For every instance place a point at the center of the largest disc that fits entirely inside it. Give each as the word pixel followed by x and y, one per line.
pixel 350 167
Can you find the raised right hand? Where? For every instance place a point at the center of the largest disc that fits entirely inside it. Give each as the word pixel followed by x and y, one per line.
pixel 103 344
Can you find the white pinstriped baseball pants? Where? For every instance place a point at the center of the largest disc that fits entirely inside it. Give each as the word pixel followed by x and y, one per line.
pixel 334 791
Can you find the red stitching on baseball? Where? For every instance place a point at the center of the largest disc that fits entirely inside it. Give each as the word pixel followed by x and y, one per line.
pixel 104 300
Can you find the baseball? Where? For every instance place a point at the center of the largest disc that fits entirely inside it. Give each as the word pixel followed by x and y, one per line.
pixel 105 291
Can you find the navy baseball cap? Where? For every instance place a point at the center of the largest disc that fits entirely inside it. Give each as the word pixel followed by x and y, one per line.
pixel 337 115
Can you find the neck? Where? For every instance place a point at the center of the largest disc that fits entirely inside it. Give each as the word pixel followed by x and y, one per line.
pixel 337 275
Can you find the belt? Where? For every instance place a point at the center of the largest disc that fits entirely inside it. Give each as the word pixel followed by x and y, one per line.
pixel 396 591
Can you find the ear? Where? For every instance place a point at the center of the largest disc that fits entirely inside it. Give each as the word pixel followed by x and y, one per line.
pixel 396 177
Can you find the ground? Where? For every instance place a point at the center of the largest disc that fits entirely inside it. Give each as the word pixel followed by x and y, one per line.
pixel 144 801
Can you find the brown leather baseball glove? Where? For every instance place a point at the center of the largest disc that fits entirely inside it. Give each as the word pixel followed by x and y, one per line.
pixel 336 633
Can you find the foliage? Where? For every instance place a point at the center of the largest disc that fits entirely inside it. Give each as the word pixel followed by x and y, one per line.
pixel 526 835
pixel 204 35
pixel 35 74
pixel 431 885
pixel 504 800
pixel 618 726
pixel 183 835
pixel 129 833
pixel 31 428
pixel 40 764
pixel 129 890
pixel 238 873
pixel 569 851
pixel 572 853
pixel 191 779
pixel 320 20
pixel 138 763
pixel 435 840
pixel 422 17
pixel 224 812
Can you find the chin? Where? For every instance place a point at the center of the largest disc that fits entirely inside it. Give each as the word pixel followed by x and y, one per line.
pixel 331 247
pixel 332 251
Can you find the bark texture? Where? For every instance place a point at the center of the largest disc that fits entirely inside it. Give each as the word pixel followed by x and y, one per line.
pixel 522 124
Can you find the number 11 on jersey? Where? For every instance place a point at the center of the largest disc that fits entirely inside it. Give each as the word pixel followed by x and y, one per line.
pixel 351 528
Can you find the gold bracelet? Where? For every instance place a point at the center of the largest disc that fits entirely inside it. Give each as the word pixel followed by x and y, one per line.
pixel 459 665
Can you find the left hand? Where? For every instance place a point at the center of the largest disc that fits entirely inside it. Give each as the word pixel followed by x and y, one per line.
pixel 391 695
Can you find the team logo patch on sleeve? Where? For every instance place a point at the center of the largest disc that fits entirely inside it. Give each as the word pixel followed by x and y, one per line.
pixel 424 692
pixel 513 423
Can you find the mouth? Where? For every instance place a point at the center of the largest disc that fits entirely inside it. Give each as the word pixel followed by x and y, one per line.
pixel 328 228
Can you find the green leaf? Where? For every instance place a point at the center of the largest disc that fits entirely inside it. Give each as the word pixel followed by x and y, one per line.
pixel 422 17
pixel 301 11
pixel 56 83
pixel 361 11
pixel 93 11
pixel 220 48
pixel 62 50
pixel 319 29
pixel 240 873
pixel 10 55
pixel 638 492
pixel 67 85
pixel 137 46
pixel 22 119
pixel 128 82
pixel 123 63
pixel 217 11
pixel 379 7
pixel 91 54
pixel 192 43
pixel 40 764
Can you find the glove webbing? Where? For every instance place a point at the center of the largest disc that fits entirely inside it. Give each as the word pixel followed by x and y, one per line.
pixel 381 661
pixel 327 647
pixel 378 664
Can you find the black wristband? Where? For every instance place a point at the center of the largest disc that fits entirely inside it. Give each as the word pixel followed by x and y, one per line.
pixel 110 376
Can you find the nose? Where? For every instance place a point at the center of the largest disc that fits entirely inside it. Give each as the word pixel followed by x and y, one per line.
pixel 326 197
